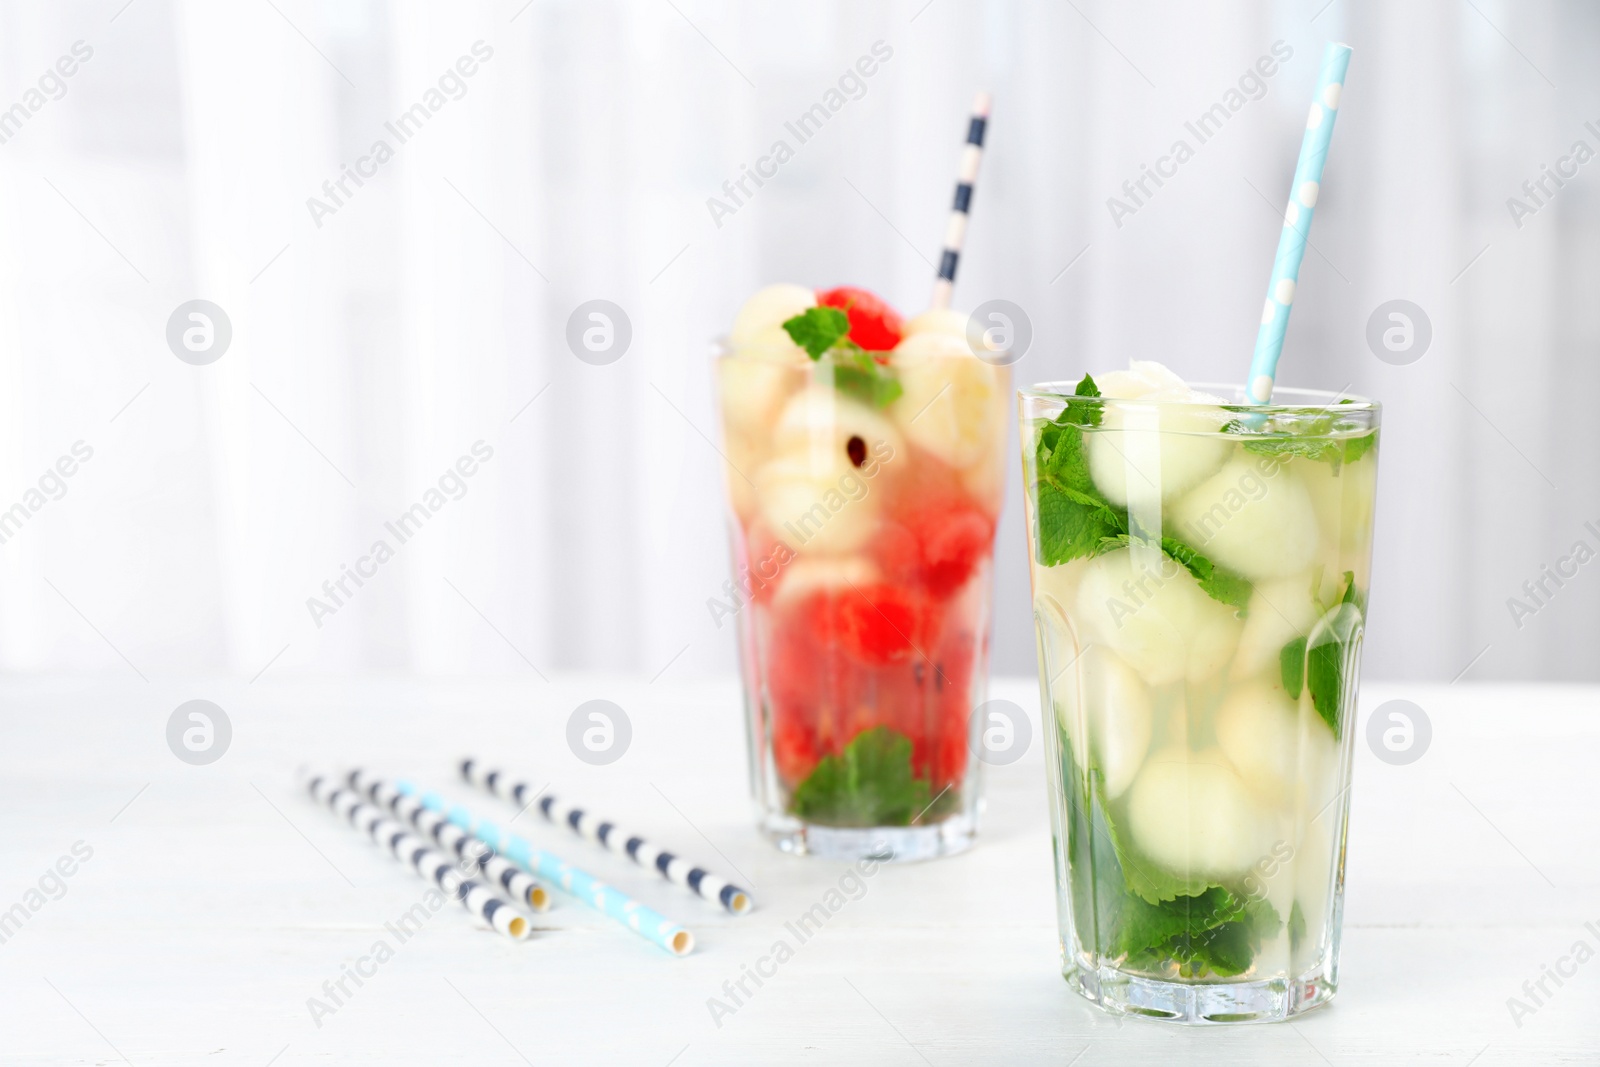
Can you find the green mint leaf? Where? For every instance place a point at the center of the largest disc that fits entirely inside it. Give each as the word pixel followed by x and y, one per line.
pixel 1229 947
pixel 870 783
pixel 1292 665
pixel 1220 584
pixel 817 329
pixel 1070 524
pixel 1126 908
pixel 1313 439
pixel 1072 518
pixel 1325 679
pixel 858 375
pixel 1147 929
pixel 1149 882
pixel 1297 926
pixel 1320 449
pixel 1328 656
pixel 1080 413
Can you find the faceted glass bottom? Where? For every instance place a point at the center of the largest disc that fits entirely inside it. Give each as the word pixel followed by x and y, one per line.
pixel 1201 1004
pixel 886 844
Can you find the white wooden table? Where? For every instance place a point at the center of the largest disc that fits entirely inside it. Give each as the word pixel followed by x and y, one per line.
pixel 219 900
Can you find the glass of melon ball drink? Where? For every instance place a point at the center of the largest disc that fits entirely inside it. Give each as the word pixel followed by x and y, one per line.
pixel 1200 573
pixel 865 470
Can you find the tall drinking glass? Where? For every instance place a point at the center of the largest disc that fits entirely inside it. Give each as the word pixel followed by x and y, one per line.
pixel 1200 576
pixel 863 518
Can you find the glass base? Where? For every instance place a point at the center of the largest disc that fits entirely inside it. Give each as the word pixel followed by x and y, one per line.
pixel 886 844
pixel 1202 1004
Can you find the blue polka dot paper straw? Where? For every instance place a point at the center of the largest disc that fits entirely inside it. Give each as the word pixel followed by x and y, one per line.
pixel 643 921
pixel 1297 223
pixel 609 835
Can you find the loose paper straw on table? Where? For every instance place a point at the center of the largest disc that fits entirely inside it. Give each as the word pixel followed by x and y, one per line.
pixel 956 230
pixel 1297 223
pixel 518 885
pixel 609 835
pixel 586 887
pixel 412 850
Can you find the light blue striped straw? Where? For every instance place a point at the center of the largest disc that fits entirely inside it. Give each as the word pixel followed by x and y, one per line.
pixel 1297 223
pixel 586 887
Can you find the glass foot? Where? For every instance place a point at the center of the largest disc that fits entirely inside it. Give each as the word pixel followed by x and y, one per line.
pixel 886 844
pixel 1202 1004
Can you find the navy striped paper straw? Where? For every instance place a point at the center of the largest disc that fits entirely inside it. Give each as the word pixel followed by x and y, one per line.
pixel 518 884
pixel 955 232
pixel 646 922
pixel 414 852
pixel 609 835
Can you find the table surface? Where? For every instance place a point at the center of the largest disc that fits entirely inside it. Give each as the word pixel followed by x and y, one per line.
pixel 218 900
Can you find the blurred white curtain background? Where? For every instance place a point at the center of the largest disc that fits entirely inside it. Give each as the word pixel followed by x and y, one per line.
pixel 373 346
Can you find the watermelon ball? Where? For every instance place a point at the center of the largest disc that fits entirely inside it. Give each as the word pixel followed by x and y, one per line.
pixel 874 325
pixel 954 541
pixel 875 624
pixel 794 750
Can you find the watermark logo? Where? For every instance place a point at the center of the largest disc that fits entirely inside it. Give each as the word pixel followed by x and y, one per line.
pixel 1399 732
pixel 1539 190
pixel 450 86
pixel 599 732
pixel 851 85
pixel 337 592
pixel 599 332
pixel 52 485
pixel 1399 332
pixel 199 732
pixel 851 886
pixel 51 86
pixel 51 885
pixel 1251 86
pixel 999 332
pixel 1004 732
pixel 1536 992
pixel 1539 590
pixel 336 992
pixel 199 332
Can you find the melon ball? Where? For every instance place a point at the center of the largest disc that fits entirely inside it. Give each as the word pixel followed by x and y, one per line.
pixel 769 307
pixel 938 320
pixel 821 421
pixel 807 574
pixel 1060 583
pixel 743 457
pixel 1344 501
pixel 1251 518
pixel 1280 610
pixel 755 382
pixel 1192 814
pixel 1155 453
pixel 1106 713
pixel 817 502
pixel 1159 451
pixel 1143 377
pixel 952 403
pixel 1258 730
pixel 1153 614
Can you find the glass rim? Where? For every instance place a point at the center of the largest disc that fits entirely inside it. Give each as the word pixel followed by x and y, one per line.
pixel 722 349
pixel 1305 400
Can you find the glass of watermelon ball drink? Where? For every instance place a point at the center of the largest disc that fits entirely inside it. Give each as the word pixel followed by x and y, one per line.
pixel 1200 574
pixel 865 468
